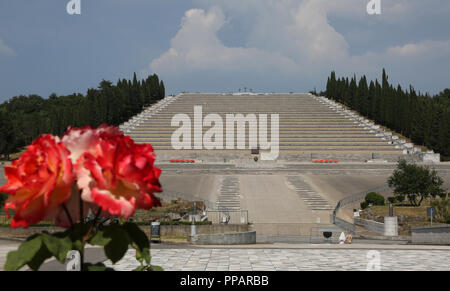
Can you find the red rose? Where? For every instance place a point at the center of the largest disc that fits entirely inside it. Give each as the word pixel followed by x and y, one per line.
pixel 115 173
pixel 39 182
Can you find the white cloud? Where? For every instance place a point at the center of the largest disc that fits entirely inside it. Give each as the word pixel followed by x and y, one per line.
pixel 423 49
pixel 303 38
pixel 411 54
pixel 289 41
pixel 197 47
pixel 5 50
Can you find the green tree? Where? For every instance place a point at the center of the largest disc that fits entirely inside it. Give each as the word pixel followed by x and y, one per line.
pixel 8 140
pixel 23 118
pixel 442 207
pixel 374 198
pixel 415 182
pixel 162 90
pixel 422 118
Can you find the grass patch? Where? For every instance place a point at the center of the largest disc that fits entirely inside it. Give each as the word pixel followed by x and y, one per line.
pixel 141 223
pixel 13 156
pixel 175 223
pixel 420 211
pixel 174 238
pixel 408 216
pixel 40 224
pixel 144 217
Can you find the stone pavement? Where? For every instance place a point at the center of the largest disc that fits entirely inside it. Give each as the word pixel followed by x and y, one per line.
pixel 273 257
pixel 293 259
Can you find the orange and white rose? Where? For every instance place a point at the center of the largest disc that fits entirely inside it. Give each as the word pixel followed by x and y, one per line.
pixel 115 173
pixel 39 182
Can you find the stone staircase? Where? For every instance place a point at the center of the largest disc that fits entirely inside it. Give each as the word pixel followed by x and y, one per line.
pixel 311 198
pixel 229 195
pixel 308 125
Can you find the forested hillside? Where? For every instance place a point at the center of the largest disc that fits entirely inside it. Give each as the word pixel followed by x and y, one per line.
pixel 422 118
pixel 23 118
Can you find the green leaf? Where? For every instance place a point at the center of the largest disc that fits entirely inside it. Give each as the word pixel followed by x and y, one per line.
pixel 96 267
pixel 118 246
pixel 25 254
pixel 101 238
pixel 57 245
pixel 148 268
pixel 77 246
pixel 14 261
pixel 76 234
pixel 139 257
pixel 78 231
pixel 40 257
pixel 141 268
pixel 157 268
pixel 114 239
pixel 140 239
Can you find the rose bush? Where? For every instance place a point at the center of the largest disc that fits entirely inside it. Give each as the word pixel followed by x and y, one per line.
pixel 61 180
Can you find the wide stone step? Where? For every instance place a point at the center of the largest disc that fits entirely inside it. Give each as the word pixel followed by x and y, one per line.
pixel 229 195
pixel 295 142
pixel 284 129
pixel 164 125
pixel 311 198
pixel 307 124
pixel 287 129
pixel 299 147
pixel 292 151
pixel 157 119
pixel 324 116
pixel 282 134
pixel 288 139
pixel 302 143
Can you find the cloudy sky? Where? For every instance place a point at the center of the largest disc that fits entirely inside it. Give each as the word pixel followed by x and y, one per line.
pixel 221 45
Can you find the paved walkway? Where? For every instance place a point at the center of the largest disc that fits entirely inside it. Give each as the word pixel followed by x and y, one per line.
pixel 274 257
pixel 293 259
pixel 268 199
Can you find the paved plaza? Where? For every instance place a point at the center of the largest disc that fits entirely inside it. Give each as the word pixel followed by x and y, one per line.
pixel 304 259
pixel 272 257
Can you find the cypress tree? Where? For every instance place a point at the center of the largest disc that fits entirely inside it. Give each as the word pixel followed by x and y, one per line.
pixel 162 90
pixel 424 119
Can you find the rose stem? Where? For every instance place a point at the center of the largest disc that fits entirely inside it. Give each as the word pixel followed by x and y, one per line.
pixel 68 215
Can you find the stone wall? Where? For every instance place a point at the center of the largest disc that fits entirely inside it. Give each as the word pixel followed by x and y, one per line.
pixel 371 225
pixel 24 232
pixel 185 230
pixel 388 228
pixel 166 230
pixel 285 229
pixel 223 158
pixel 238 238
pixel 431 158
pixel 431 235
